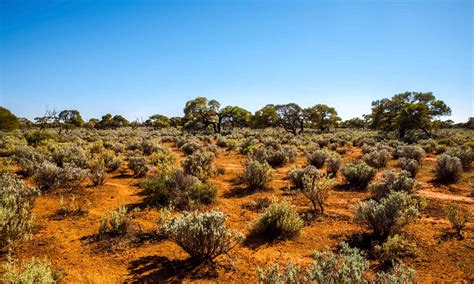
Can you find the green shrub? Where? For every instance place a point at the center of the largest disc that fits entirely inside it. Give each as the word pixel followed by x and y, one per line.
pixel 317 189
pixel 202 235
pixel 317 158
pixel 388 215
pixel 410 152
pixel 349 266
pixel 177 189
pixel 49 176
pixel 358 175
pixel 465 155
pixel 409 165
pixel 296 175
pixel 458 217
pixel 191 147
pixel 394 249
pixel 117 223
pixel 256 175
pixel 448 169
pixel 400 274
pixel 200 165
pixel 138 165
pixel 33 271
pixel 36 138
pixel 277 158
pixel 16 221
pixel 204 193
pixel 377 159
pixel 97 173
pixel 279 221
pixel 391 182
pixel 333 163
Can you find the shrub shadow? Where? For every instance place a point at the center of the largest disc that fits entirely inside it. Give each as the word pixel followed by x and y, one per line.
pixel 159 269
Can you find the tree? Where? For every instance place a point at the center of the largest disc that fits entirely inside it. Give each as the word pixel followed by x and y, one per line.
pixel 158 121
pixel 355 122
pixel 290 117
pixel 109 121
pixel 68 119
pixel 25 123
pixel 408 111
pixel 265 117
pixel 470 123
pixel 176 122
pixel 50 118
pixel 232 116
pixel 119 121
pixel 8 121
pixel 322 117
pixel 201 113
pixel 91 123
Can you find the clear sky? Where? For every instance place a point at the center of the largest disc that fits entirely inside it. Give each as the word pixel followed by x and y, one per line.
pixel 138 58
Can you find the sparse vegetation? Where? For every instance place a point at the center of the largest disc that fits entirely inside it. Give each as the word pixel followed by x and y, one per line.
pixel 448 169
pixel 256 175
pixel 388 215
pixel 458 217
pixel 202 235
pixel 279 221
pixel 358 175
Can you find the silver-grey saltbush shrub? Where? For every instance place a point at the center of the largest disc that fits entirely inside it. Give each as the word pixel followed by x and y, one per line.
pixel 202 235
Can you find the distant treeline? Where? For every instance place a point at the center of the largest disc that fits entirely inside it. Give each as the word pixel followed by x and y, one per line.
pixel 402 114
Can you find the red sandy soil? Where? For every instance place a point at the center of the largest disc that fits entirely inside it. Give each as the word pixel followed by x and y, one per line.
pixel 65 241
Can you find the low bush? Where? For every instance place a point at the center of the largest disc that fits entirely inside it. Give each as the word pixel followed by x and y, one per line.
pixel 409 152
pixel 204 193
pixel 116 223
pixel 202 235
pixel 49 176
pixel 458 217
pixel 71 154
pixel 296 175
pixel 348 266
pixel 36 138
pixel 394 249
pixel 464 154
pixel 70 208
pixel 377 159
pixel 33 271
pixel 200 165
pixel 97 173
pixel 177 189
pixel 138 165
pixel 409 165
pixel 258 205
pixel 388 215
pixel 317 158
pixel 399 274
pixel 256 175
pixel 448 169
pixel 393 182
pixel 358 175
pixel 191 147
pixel 16 220
pixel 317 189
pixel 333 163
pixel 279 221
pixel 277 158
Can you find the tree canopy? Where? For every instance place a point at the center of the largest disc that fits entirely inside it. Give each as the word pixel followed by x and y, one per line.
pixel 8 121
pixel 407 112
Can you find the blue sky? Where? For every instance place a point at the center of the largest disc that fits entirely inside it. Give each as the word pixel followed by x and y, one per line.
pixel 138 58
